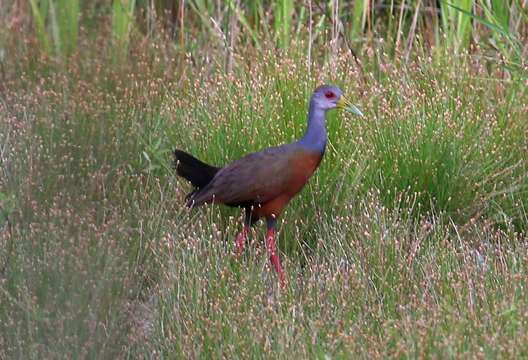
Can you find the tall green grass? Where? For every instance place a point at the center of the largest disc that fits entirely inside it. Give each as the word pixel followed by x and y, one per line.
pixel 56 24
pixel 456 23
pixel 122 22
pixel 283 21
pixel 359 18
pixel 505 31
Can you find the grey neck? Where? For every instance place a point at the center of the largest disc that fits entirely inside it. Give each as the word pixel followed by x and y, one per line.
pixel 315 137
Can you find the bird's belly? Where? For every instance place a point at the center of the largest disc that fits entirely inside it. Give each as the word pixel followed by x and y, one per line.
pixel 271 208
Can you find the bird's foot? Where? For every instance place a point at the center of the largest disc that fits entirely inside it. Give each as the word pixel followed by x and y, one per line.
pixel 274 256
pixel 240 240
pixel 278 268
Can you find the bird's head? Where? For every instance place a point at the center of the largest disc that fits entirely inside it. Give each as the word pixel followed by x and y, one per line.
pixel 328 97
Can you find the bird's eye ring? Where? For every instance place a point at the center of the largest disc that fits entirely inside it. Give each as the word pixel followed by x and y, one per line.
pixel 329 95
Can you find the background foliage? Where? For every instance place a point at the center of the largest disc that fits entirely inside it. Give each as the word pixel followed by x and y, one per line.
pixel 410 240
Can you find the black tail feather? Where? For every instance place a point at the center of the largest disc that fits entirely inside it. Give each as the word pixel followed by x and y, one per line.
pixel 198 173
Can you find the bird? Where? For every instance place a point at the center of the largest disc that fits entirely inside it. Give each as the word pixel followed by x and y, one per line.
pixel 262 183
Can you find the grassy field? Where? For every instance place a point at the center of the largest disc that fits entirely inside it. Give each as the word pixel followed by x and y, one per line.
pixel 410 241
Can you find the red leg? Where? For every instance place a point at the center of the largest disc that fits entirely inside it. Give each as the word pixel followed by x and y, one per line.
pixel 240 240
pixel 274 256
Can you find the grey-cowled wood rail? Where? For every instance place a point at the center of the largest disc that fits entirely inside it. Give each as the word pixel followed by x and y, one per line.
pixel 264 182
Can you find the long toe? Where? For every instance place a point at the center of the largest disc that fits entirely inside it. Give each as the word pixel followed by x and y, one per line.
pixel 240 241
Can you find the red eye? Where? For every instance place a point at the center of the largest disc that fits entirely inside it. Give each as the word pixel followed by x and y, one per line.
pixel 329 95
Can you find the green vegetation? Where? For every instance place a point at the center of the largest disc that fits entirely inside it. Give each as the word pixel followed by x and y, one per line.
pixel 410 240
pixel 57 22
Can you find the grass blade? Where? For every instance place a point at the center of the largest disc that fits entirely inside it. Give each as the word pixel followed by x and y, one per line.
pixel 122 20
pixel 39 14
